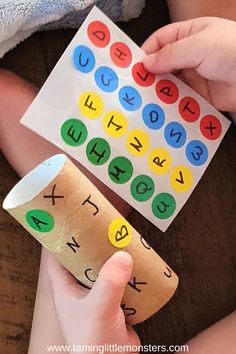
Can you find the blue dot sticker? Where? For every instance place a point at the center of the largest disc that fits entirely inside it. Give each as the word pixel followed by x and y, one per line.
pixel 129 98
pixel 83 59
pixel 106 79
pixel 153 116
pixel 175 135
pixel 196 152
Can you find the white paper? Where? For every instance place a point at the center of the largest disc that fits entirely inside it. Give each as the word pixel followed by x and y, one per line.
pixel 58 99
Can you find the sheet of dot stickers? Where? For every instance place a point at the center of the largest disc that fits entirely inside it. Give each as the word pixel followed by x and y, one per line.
pixel 148 138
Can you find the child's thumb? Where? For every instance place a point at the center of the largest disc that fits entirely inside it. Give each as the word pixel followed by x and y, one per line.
pixel 106 295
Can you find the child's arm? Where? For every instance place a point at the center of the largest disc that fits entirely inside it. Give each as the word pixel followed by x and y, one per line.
pixel 218 339
pixel 185 9
pixel 204 50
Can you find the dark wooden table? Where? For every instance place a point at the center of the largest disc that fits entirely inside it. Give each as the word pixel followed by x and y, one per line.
pixel 200 244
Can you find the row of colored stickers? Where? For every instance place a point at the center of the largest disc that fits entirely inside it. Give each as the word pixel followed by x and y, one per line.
pixel 138 141
pixel 129 97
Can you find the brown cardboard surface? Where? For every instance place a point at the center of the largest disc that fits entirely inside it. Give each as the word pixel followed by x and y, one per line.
pixel 79 239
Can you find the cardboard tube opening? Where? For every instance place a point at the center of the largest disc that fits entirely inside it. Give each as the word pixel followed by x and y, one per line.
pixel 34 182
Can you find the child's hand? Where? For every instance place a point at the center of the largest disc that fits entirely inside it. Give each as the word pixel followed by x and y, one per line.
pixel 205 50
pixel 93 316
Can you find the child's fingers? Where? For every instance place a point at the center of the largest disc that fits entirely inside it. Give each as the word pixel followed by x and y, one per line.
pixel 177 46
pixel 106 295
pixel 177 55
pixel 174 32
pixel 163 36
pixel 62 281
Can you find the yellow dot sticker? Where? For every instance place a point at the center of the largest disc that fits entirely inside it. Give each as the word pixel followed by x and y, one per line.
pixel 181 179
pixel 115 124
pixel 120 233
pixel 159 161
pixel 138 142
pixel 91 105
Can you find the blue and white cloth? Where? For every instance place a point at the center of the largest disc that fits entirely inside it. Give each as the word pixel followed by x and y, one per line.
pixel 20 18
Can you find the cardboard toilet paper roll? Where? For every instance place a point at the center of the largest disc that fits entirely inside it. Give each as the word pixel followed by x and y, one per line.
pixel 65 212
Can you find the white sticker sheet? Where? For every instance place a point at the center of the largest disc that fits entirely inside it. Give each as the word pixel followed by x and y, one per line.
pixel 148 138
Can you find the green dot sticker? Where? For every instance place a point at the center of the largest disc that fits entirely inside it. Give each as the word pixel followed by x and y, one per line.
pixel 40 220
pixel 120 170
pixel 98 151
pixel 74 132
pixel 142 188
pixel 163 205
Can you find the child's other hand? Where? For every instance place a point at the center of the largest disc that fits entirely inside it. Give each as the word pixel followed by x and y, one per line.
pixel 93 316
pixel 204 49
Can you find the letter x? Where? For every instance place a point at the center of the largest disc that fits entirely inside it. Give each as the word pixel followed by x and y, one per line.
pixel 53 196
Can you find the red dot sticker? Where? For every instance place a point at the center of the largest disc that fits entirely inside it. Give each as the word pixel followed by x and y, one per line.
pixel 189 109
pixel 210 127
pixel 98 34
pixel 167 91
pixel 121 54
pixel 141 76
